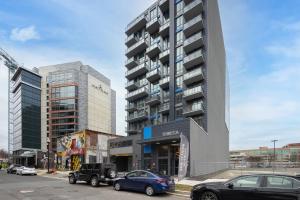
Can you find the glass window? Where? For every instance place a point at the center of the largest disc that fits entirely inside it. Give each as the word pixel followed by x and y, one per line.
pixel 153 13
pixel 146 174
pixel 279 182
pixel 179 67
pixel 163 150
pixel 179 7
pixel 179 82
pixel 179 37
pixel 296 184
pixel 179 53
pixel 249 181
pixel 132 174
pixel 179 23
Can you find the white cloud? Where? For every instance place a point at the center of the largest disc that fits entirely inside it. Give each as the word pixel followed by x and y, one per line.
pixel 24 34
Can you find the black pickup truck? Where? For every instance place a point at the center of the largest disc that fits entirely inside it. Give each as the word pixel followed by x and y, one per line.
pixel 94 174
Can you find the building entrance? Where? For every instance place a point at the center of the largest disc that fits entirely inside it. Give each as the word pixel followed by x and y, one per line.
pixel 168 159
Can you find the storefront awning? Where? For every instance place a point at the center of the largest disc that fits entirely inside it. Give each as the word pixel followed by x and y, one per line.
pixel 163 139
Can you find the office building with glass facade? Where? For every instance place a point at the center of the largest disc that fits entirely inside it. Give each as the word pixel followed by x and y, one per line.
pixel 27 115
pixel 177 84
pixel 75 97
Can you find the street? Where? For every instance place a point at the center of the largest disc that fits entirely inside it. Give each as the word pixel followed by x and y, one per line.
pixel 14 187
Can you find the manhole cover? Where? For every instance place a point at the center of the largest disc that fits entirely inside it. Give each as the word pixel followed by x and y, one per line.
pixel 26 191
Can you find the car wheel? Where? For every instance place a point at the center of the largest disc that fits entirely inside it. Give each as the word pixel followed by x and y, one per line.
pixel 117 186
pixel 72 179
pixel 111 173
pixel 149 190
pixel 94 181
pixel 208 196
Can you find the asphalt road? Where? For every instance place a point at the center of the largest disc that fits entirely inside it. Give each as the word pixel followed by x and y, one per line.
pixel 14 187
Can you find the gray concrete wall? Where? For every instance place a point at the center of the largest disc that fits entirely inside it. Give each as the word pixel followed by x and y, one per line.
pixel 218 134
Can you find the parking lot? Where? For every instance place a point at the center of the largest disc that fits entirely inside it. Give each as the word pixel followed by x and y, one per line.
pixel 14 187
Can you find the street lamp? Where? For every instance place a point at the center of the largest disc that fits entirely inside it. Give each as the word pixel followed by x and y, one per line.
pixel 48 162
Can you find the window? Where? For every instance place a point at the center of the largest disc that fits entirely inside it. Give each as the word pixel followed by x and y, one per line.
pixel 179 23
pixel 279 182
pixel 178 113
pixel 153 13
pixel 132 174
pixel 179 82
pixel 179 67
pixel 179 7
pixel 146 174
pixel 249 181
pixel 179 53
pixel 296 184
pixel 179 37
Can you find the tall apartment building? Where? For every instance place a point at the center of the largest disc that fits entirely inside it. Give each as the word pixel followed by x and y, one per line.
pixel 176 72
pixel 75 97
pixel 27 116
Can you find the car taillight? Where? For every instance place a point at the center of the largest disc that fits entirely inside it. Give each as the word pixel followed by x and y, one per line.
pixel 161 180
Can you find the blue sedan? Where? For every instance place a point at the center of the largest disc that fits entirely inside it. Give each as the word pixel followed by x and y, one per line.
pixel 145 181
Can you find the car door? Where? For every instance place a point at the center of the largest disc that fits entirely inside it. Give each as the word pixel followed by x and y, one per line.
pixel 277 187
pixel 130 180
pixel 241 188
pixel 83 173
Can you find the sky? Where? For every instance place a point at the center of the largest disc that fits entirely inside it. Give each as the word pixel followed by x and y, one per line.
pixel 262 41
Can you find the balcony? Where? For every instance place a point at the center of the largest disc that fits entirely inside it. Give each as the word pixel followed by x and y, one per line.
pixel 164 56
pixel 153 50
pixel 131 85
pixel 193 59
pixel 193 93
pixel 164 29
pixel 193 26
pixel 130 107
pixel 137 24
pixel 131 130
pixel 153 75
pixel 131 63
pixel 164 108
pixel 139 93
pixel 164 83
pixel 136 48
pixel 137 71
pixel 153 25
pixel 153 100
pixel 137 116
pixel 193 76
pixel 164 4
pixel 130 40
pixel 193 42
pixel 193 9
pixel 194 109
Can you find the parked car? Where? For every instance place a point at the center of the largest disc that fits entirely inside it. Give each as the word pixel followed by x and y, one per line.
pixel 26 171
pixel 250 187
pixel 145 181
pixel 94 174
pixel 12 169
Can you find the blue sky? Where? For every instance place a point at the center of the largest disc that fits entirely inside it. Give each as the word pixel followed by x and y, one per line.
pixel 262 40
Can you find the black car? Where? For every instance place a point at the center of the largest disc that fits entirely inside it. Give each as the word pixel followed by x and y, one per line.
pixel 94 174
pixel 250 187
pixel 12 169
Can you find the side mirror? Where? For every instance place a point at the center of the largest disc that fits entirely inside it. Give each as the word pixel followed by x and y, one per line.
pixel 125 177
pixel 230 185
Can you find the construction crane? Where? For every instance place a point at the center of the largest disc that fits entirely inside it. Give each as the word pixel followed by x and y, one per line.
pixel 12 66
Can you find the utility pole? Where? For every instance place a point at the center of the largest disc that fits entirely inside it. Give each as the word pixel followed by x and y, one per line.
pixel 274 142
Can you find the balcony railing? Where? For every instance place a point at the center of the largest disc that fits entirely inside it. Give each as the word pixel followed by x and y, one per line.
pixel 137 47
pixel 194 109
pixel 136 24
pixel 137 93
pixel 164 29
pixel 164 83
pixel 164 108
pixel 193 42
pixel 193 26
pixel 137 116
pixel 153 75
pixel 139 70
pixel 130 107
pixel 164 56
pixel 193 76
pixel 193 93
pixel 193 59
pixel 192 9
pixel 153 50
pixel 152 100
pixel 153 25
pixel 130 40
